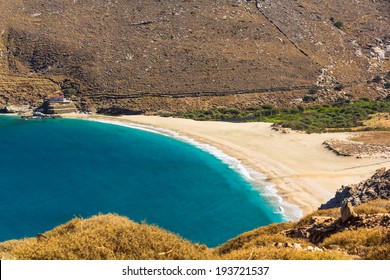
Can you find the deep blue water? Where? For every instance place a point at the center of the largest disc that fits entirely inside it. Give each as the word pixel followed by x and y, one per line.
pixel 53 170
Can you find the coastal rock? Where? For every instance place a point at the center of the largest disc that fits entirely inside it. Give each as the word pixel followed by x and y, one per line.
pixel 11 109
pixel 377 187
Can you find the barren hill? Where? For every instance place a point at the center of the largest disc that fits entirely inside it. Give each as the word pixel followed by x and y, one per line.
pixel 174 55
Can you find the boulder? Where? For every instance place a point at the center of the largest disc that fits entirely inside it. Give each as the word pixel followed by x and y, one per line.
pixel 297 246
pixel 347 212
pixel 310 248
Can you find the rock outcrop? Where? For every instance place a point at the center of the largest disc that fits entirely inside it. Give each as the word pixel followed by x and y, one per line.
pixel 323 227
pixel 378 186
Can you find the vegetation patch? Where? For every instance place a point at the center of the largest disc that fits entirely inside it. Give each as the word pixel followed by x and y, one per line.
pixel 343 115
pixel 339 24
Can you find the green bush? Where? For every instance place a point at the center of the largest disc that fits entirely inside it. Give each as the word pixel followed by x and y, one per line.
pixel 339 87
pixel 313 90
pixel 339 24
pixel 377 79
pixel 342 115
pixel 70 91
pixel 309 98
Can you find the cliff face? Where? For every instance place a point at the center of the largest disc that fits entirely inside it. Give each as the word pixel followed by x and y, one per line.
pixel 377 187
pixel 139 54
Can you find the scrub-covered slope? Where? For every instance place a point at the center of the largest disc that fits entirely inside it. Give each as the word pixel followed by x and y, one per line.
pixel 137 55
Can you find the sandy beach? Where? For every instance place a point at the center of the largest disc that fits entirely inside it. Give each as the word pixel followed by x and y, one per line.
pixel 302 170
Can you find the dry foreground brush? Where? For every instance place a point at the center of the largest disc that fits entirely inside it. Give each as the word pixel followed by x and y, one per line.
pixel 322 235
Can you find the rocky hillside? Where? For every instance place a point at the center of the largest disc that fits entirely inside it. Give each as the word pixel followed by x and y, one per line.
pixel 362 233
pixel 378 186
pixel 152 55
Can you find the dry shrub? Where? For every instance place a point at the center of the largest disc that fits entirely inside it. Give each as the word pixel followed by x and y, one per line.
pixel 107 237
pixel 273 253
pixel 374 207
pixel 362 242
pixel 379 253
pixel 254 236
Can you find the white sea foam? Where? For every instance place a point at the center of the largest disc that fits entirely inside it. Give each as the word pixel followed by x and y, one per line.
pixel 290 212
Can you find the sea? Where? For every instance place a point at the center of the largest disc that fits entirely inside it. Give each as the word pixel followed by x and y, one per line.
pixel 53 170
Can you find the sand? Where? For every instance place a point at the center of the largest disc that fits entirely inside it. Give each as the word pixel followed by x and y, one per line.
pixel 303 171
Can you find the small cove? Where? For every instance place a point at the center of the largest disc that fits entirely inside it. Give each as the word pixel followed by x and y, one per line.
pixel 54 170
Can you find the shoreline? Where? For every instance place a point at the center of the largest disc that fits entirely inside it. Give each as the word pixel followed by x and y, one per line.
pixel 302 172
pixel 258 180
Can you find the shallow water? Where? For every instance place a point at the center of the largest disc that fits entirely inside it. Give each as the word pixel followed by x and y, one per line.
pixel 53 170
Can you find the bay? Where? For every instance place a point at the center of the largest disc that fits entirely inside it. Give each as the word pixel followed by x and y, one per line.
pixel 54 170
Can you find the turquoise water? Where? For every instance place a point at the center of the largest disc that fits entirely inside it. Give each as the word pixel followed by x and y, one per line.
pixel 54 170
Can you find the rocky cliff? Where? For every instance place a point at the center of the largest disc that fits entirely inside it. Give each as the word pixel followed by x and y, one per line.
pixel 378 186
pixel 153 55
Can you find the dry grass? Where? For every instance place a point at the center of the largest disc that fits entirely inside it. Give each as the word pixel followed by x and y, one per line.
pixel 374 207
pixel 260 244
pixel 273 253
pixel 105 237
pixel 366 243
pixel 374 137
pixel 379 120
pixel 259 237
pixel 111 236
